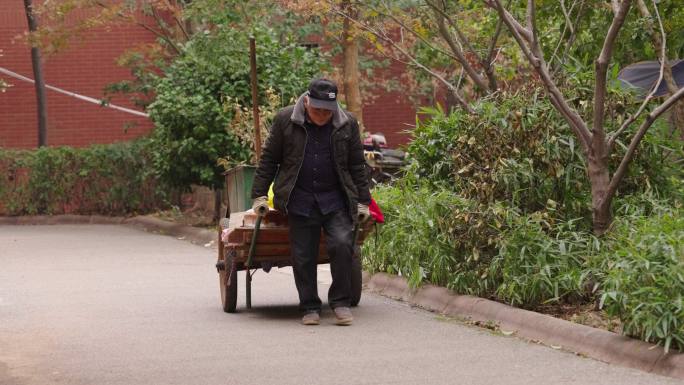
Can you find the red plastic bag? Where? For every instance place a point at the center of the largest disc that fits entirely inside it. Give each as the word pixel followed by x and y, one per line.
pixel 375 212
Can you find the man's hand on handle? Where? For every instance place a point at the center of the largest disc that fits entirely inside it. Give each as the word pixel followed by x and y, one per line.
pixel 364 213
pixel 260 205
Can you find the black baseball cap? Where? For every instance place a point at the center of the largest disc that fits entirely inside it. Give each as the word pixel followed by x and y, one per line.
pixel 323 94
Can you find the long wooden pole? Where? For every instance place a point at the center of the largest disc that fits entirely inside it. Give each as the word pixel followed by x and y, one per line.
pixel 255 101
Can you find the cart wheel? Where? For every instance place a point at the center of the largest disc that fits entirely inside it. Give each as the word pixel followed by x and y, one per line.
pixel 356 277
pixel 228 287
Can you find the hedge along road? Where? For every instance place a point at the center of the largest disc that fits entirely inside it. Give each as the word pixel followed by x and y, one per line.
pixel 107 304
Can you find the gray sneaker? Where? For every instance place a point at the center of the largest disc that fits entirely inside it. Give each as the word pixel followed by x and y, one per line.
pixel 343 315
pixel 311 318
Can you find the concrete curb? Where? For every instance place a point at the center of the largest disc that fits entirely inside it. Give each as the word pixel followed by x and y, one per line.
pixel 146 222
pixel 557 333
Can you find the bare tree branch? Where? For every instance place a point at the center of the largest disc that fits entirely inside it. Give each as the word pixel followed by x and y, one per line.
pixel 165 35
pixel 629 155
pixel 441 11
pixel 485 61
pixel 514 24
pixel 175 7
pixel 533 53
pixel 531 24
pixel 460 79
pixel 162 24
pixel 418 64
pixel 161 35
pixel 616 6
pixel 181 27
pixel 446 35
pixel 568 25
pixel 573 36
pixel 516 29
pixel 488 63
pixel 663 60
pixel 650 118
pixel 672 87
pixel 601 67
pixel 416 34
pixel 567 13
pixel 660 41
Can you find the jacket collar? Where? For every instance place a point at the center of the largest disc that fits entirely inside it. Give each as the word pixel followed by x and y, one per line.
pixel 339 118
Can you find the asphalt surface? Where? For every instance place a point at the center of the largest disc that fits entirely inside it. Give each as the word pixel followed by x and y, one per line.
pixel 104 304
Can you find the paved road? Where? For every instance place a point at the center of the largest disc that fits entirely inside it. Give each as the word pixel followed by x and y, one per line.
pixel 99 305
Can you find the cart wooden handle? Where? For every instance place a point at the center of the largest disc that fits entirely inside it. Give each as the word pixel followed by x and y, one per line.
pixel 261 212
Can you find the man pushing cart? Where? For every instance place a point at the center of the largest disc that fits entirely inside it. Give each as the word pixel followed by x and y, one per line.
pixel 314 158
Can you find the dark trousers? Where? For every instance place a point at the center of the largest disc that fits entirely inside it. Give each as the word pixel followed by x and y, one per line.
pixel 305 233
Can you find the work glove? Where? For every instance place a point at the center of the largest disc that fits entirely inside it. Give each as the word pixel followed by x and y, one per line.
pixel 260 205
pixel 363 213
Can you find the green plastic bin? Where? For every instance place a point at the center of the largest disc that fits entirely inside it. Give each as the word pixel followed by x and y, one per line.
pixel 239 187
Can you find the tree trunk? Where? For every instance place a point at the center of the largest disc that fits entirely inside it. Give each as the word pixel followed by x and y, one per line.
pixel 679 117
pixel 41 101
pixel 451 103
pixel 599 177
pixel 218 195
pixel 352 90
pixel 672 88
pixel 678 108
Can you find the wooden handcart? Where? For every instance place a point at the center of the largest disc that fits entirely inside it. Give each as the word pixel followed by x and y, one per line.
pixel 252 242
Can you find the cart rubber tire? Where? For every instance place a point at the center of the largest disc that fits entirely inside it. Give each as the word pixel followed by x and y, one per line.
pixel 356 277
pixel 228 292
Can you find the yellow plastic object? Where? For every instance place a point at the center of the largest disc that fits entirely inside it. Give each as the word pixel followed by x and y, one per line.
pixel 270 196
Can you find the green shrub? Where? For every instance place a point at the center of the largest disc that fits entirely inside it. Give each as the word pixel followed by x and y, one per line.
pixel 517 150
pixel 538 262
pixel 642 269
pixel 415 240
pixel 436 236
pixel 514 150
pixel 103 179
pixel 194 109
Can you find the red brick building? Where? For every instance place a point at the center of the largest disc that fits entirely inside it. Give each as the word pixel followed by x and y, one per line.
pixel 85 68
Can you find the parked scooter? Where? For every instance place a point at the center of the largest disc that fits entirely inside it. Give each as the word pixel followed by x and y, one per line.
pixel 384 164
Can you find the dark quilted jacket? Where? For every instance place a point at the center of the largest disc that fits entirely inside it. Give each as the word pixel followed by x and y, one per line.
pixel 283 154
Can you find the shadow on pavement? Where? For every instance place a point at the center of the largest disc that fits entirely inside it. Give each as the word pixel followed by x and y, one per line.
pixel 271 312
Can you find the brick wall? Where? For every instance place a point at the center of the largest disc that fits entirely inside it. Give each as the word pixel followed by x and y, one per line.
pixel 87 66
pixel 390 112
